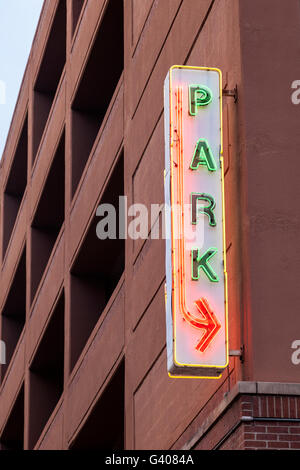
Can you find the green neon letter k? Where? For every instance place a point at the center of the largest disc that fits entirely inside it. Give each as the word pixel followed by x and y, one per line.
pixel 202 262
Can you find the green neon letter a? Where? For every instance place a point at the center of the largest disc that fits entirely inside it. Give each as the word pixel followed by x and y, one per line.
pixel 203 156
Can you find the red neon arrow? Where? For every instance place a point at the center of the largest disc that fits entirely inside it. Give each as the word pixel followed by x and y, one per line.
pixel 211 324
pixel 208 322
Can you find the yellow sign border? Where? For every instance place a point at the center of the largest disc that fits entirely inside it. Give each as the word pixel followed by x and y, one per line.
pixel 224 233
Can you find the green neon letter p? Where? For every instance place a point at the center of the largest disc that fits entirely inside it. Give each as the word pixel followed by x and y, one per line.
pixel 199 95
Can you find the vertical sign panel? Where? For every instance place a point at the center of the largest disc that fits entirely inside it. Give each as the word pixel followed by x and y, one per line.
pixel 196 287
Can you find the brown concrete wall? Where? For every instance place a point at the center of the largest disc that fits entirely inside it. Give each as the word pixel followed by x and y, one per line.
pixel 270 177
pixel 205 33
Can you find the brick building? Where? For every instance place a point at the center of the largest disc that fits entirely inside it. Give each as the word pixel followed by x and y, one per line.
pixel 83 320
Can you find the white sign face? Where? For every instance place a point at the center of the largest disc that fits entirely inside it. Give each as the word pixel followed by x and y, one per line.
pixel 196 287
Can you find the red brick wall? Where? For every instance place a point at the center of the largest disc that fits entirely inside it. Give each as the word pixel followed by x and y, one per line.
pixel 272 435
pixel 271 425
pixel 235 441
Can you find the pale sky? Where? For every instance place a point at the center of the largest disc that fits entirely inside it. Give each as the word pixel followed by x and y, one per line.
pixel 18 22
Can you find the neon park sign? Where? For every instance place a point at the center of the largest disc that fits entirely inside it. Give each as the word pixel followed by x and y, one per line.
pixel 196 277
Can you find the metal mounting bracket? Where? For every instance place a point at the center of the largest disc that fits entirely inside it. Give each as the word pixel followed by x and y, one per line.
pixel 231 93
pixel 238 353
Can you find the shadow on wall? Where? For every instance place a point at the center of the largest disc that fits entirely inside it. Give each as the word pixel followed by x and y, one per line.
pixel 2 353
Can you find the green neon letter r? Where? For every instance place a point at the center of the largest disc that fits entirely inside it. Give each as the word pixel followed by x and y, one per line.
pixel 208 210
